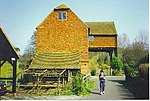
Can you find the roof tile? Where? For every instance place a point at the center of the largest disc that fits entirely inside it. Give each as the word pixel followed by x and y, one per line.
pixel 100 28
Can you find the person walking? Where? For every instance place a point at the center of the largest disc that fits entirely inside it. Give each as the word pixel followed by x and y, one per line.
pixel 102 80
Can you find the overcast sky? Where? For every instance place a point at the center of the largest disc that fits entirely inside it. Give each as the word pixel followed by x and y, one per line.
pixel 19 18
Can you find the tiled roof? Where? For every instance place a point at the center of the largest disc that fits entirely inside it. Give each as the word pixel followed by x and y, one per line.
pixel 56 60
pixel 62 6
pixel 101 28
pixel 7 51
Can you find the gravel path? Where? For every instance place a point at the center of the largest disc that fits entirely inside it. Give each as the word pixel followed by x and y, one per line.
pixel 114 89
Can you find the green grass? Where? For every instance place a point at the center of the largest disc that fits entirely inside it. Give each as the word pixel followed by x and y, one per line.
pixel 6 71
pixel 89 87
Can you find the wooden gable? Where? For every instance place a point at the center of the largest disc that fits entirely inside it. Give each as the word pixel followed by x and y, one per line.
pixel 104 34
pixel 7 51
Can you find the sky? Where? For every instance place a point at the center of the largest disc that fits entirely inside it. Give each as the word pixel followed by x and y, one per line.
pixel 19 18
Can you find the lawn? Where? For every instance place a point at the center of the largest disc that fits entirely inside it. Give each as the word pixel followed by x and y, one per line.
pixel 6 71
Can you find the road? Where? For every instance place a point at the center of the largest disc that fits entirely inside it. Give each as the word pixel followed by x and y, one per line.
pixel 114 89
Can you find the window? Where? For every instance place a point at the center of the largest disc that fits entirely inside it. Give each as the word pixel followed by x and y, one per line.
pixel 91 38
pixel 62 16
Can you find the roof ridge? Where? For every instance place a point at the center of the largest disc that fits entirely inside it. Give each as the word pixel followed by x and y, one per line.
pixel 61 6
pixel 100 22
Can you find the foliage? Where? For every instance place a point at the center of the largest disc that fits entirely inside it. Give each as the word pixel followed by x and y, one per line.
pixel 93 72
pixel 30 48
pixel 21 66
pixel 93 64
pixel 129 71
pixel 106 60
pixel 92 54
pixel 67 90
pixel 78 86
pixel 104 66
pixel 29 51
pixel 144 71
pixel 145 59
pixel 117 64
pixel 7 70
pixel 116 72
pixel 134 54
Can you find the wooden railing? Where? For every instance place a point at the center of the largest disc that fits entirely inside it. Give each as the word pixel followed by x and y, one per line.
pixel 86 79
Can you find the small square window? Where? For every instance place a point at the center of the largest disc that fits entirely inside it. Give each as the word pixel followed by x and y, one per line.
pixel 91 38
pixel 62 16
pixel 59 16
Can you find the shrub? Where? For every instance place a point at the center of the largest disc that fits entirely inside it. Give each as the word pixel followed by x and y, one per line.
pixel 117 64
pixel 93 64
pixel 144 71
pixel 77 86
pixel 21 66
pixel 130 72
pixel 104 66
pixel 116 72
pixel 93 72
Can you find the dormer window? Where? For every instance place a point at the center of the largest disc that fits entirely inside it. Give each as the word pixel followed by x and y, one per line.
pixel 62 16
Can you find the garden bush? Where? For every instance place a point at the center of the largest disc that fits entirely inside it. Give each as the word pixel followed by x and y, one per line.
pixel 130 72
pixel 104 66
pixel 93 72
pixel 77 86
pixel 117 64
pixel 144 71
pixel 116 72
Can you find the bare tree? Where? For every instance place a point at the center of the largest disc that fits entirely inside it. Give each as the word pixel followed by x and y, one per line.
pixel 143 39
pixel 123 40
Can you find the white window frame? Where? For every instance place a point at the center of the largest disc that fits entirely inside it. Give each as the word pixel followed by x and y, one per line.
pixel 62 15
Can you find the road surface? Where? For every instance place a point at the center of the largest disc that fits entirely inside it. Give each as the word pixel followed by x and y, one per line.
pixel 114 89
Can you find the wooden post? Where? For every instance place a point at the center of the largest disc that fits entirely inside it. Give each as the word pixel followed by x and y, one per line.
pixel 116 52
pixel 58 85
pixel 68 74
pixel 110 54
pixel 14 64
pixel 0 68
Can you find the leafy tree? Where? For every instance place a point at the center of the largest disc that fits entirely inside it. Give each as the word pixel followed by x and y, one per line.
pixel 30 48
pixel 106 60
pixel 93 64
pixel 117 64
pixel 136 53
pixel 138 49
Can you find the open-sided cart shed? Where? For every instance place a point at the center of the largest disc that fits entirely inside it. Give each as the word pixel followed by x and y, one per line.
pixel 8 53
